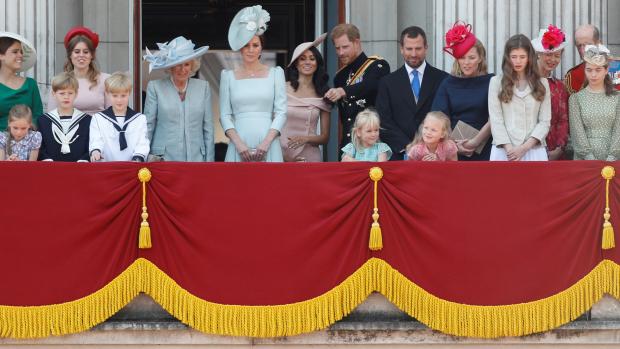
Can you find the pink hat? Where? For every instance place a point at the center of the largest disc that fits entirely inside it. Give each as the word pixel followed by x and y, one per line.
pixel 459 39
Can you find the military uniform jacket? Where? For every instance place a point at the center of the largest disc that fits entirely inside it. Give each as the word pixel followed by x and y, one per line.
pixel 361 90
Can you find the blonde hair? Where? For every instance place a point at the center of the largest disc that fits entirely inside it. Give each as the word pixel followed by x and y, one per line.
pixel 347 29
pixel 439 116
pixel 17 112
pixel 118 82
pixel 64 81
pixel 482 66
pixel 367 117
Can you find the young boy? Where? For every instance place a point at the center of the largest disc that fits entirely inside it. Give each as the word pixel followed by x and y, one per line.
pixel 118 133
pixel 65 129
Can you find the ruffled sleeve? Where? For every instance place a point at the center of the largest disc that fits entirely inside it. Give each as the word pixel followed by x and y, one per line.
pixel 3 137
pixel 349 149
pixel 450 150
pixel 36 140
pixel 384 148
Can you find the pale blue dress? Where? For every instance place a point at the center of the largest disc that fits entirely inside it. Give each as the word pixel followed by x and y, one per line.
pixel 252 107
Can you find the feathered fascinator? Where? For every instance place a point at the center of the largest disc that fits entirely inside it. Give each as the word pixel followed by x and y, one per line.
pixel 459 39
pixel 248 22
pixel 597 55
pixel 549 40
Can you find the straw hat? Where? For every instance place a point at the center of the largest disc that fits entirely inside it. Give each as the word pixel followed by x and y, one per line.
pixel 248 22
pixel 30 54
pixel 301 48
pixel 176 51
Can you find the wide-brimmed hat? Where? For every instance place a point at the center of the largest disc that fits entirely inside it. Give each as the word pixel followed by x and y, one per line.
pixel 459 39
pixel 91 35
pixel 248 22
pixel 30 54
pixel 301 48
pixel 176 51
pixel 549 40
pixel 597 55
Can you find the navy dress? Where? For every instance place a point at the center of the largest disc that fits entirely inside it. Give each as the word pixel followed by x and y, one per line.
pixel 466 99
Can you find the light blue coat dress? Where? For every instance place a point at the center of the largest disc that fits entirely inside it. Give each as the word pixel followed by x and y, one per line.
pixel 180 130
pixel 252 107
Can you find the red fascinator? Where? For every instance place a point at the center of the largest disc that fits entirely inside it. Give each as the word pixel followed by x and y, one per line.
pixel 553 38
pixel 459 39
pixel 82 31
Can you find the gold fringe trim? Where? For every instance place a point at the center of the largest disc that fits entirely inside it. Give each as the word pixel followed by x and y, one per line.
pixel 497 321
pixel 74 316
pixel 313 314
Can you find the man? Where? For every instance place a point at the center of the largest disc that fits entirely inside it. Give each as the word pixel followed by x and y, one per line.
pixel 355 84
pixel 406 95
pixel 584 35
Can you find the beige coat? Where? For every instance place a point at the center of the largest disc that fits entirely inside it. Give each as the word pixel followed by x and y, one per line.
pixel 522 118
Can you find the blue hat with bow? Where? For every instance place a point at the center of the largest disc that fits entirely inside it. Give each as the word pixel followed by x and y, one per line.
pixel 176 51
pixel 248 22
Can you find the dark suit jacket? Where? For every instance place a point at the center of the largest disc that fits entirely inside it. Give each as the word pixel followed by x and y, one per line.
pixel 400 114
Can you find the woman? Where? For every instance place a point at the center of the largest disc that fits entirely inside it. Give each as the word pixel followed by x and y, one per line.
pixel 253 96
pixel 549 45
pixel 594 111
pixel 178 108
pixel 519 105
pixel 81 45
pixel 17 55
pixel 306 84
pixel 463 96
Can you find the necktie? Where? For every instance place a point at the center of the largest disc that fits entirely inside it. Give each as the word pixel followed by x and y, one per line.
pixel 415 84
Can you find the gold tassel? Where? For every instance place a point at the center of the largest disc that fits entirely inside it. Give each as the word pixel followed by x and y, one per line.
pixel 375 242
pixel 144 239
pixel 608 242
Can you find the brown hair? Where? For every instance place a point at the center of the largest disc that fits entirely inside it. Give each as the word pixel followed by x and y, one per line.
pixel 17 112
pixel 93 70
pixel 347 29
pixel 610 90
pixel 532 75
pixel 482 66
pixel 5 43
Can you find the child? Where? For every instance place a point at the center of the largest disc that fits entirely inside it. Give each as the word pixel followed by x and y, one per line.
pixel 365 145
pixel 118 133
pixel 519 105
pixel 20 141
pixel 432 142
pixel 65 129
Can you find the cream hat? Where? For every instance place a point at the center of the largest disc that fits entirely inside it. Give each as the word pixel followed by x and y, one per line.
pixel 301 48
pixel 30 54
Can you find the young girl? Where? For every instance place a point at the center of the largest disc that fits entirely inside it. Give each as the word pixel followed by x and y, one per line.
pixel 595 110
pixel 365 145
pixel 519 105
pixel 20 141
pixel 432 142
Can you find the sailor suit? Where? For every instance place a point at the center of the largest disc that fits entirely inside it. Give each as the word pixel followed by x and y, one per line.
pixel 65 138
pixel 119 138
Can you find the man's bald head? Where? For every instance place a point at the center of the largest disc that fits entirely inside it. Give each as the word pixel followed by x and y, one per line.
pixel 586 34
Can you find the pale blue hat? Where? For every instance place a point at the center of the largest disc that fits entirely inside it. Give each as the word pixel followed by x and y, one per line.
pixel 176 51
pixel 248 22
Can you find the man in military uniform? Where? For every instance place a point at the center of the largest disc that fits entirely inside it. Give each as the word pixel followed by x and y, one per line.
pixel 355 84
pixel 576 76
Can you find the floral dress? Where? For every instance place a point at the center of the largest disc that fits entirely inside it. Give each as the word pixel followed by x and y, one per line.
pixel 24 146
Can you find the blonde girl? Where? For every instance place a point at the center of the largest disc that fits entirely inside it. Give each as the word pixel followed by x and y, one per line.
pixel 365 144
pixel 432 142
pixel 20 142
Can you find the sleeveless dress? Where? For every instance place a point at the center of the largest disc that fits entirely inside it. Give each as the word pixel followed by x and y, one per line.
pixel 302 119
pixel 252 107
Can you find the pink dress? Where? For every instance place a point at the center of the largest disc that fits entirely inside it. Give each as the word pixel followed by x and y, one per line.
pixel 302 120
pixel 446 150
